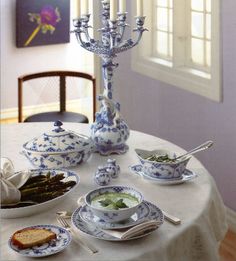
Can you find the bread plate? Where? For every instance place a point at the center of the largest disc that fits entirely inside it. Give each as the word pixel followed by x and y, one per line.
pixel 25 211
pixel 63 239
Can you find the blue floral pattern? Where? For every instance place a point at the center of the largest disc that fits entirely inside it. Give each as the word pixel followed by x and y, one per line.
pixel 112 168
pixel 109 131
pixel 58 149
pixel 161 170
pixel 142 214
pixel 102 177
pixel 112 215
pixel 54 246
pixel 93 230
pixel 187 175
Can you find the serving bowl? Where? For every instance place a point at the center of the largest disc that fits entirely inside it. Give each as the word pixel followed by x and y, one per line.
pixel 113 215
pixel 58 149
pixel 162 170
pixel 18 212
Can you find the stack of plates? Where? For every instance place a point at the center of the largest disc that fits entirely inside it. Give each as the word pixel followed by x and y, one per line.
pixel 84 220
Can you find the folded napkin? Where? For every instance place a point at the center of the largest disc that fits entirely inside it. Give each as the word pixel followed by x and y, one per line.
pixel 11 182
pixel 135 231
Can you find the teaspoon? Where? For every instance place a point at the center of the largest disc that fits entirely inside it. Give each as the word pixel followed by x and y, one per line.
pixel 201 147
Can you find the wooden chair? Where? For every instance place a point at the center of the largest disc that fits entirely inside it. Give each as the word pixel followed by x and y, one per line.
pixel 62 114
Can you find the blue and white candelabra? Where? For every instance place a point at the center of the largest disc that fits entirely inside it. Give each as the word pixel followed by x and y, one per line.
pixel 109 131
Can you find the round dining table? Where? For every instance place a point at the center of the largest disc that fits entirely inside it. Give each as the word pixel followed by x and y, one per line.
pixel 197 203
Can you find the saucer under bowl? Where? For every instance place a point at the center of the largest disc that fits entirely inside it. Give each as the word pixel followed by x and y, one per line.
pixel 142 214
pixel 95 231
pixel 186 176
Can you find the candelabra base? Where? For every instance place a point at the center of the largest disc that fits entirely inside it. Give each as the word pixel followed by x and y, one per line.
pixel 108 150
pixel 109 132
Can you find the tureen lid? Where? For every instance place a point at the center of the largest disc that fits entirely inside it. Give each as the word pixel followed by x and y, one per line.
pixel 58 140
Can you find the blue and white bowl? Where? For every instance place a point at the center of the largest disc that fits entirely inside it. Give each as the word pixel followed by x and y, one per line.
pixel 110 215
pixel 162 170
pixel 58 149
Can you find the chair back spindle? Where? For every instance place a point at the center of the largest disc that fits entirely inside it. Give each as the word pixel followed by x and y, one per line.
pixel 62 93
pixel 62 114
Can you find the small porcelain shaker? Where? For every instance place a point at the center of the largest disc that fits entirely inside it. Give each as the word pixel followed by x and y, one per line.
pixel 112 168
pixel 102 176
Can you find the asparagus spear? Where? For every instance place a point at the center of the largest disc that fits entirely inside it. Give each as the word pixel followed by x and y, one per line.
pixel 38 178
pixel 46 196
pixel 49 188
pixel 44 182
pixel 35 179
pixel 44 187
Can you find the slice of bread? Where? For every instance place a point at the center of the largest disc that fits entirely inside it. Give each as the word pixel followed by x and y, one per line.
pixel 30 237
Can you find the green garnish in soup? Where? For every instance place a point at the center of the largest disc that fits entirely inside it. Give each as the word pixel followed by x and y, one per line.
pixel 115 201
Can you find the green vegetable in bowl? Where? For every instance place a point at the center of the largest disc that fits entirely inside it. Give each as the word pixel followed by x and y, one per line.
pixel 160 158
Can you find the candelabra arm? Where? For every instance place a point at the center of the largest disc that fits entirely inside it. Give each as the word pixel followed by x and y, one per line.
pixel 122 26
pixel 128 44
pixel 86 33
pixel 139 36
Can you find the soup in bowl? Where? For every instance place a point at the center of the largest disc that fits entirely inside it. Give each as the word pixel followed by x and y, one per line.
pixel 114 203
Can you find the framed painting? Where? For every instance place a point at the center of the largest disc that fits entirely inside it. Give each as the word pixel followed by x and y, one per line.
pixel 42 22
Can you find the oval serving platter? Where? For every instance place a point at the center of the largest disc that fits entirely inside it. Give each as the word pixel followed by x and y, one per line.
pixel 17 212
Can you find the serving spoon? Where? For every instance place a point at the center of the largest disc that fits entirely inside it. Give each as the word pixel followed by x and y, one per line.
pixel 204 146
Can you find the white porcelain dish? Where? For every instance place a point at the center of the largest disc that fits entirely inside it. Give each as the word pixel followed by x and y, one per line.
pixel 113 215
pixel 63 240
pixel 58 149
pixel 41 207
pixel 142 214
pixel 161 170
pixel 92 230
pixel 187 176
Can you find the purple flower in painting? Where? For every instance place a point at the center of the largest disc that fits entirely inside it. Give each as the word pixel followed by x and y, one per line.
pixel 49 15
pixel 46 20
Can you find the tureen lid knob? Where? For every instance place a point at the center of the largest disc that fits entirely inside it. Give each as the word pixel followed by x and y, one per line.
pixel 58 124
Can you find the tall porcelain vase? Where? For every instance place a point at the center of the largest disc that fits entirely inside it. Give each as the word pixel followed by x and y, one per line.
pixel 109 131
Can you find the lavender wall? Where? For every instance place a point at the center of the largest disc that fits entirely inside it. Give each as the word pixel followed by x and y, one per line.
pixel 187 119
pixel 19 61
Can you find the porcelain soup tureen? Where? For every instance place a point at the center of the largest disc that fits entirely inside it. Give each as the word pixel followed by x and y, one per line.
pixel 58 148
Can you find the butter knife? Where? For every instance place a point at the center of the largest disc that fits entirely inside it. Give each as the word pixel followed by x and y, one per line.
pixel 171 218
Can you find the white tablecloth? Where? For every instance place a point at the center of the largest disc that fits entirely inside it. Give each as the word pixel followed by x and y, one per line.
pixel 197 203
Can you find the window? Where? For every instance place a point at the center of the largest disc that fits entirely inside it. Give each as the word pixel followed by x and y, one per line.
pixel 182 47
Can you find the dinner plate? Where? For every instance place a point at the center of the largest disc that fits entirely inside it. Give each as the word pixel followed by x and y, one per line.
pixel 93 230
pixel 25 211
pixel 142 214
pixel 187 175
pixel 47 249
